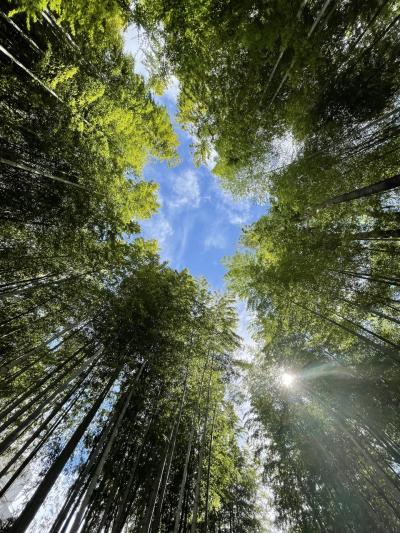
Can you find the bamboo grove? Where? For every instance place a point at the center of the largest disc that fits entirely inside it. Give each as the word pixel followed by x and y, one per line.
pixel 113 366
pixel 299 99
pixel 114 411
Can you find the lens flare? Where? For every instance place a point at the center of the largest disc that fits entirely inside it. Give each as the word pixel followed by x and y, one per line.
pixel 287 379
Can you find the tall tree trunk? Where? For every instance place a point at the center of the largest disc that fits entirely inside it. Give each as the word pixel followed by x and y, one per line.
pixel 10 439
pixel 157 516
pixel 75 330
pixel 200 463
pixel 70 505
pixel 103 458
pixel 381 493
pixel 106 519
pixel 36 449
pixel 364 339
pixel 370 332
pixel 50 284
pixel 78 491
pixel 359 445
pixel 376 235
pixel 375 188
pixel 123 507
pixel 28 281
pixel 390 250
pixel 183 481
pixel 37 171
pixel 369 310
pixel 148 516
pixel 22 397
pixel 26 312
pixel 44 439
pixel 32 507
pixel 369 277
pixel 209 468
pixel 185 513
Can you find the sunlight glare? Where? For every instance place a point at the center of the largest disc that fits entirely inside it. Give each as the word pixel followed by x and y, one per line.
pixel 287 379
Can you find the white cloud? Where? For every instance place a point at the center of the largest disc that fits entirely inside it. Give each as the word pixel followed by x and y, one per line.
pixel 136 43
pixel 236 212
pixel 216 239
pixel 163 230
pixel 181 244
pixel 243 330
pixel 185 191
pixel 173 89
pixel 212 158
pixel 159 228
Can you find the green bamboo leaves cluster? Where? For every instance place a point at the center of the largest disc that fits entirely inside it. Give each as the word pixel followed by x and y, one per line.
pixel 77 128
pixel 300 102
pixel 251 71
pixel 113 366
pixel 135 400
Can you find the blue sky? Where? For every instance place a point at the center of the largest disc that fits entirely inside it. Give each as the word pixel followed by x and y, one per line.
pixel 198 223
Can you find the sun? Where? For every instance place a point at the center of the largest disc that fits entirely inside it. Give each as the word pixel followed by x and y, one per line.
pixel 287 379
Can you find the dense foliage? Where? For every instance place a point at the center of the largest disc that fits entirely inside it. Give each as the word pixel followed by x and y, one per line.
pixel 113 366
pixel 114 411
pixel 251 71
pixel 300 102
pixel 131 402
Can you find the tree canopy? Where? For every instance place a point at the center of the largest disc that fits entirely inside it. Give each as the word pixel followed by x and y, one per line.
pixel 113 365
pixel 299 100
pixel 115 369
pixel 255 70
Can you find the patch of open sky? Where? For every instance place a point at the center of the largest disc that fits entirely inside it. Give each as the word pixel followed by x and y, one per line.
pixel 198 223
